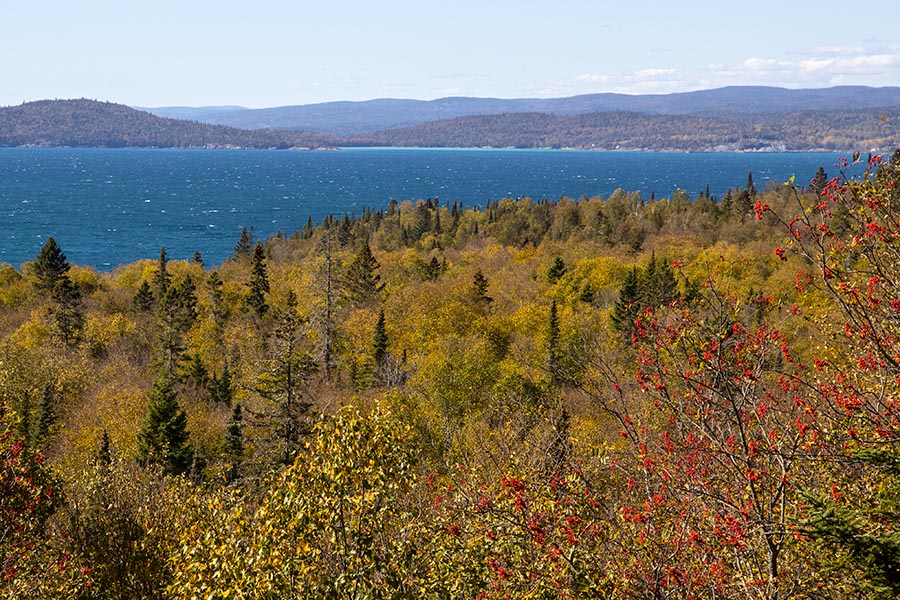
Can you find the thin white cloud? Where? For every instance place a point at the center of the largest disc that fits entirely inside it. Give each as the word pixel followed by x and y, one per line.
pixel 819 67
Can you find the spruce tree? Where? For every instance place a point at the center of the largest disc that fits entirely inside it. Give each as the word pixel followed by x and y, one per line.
pixel 234 433
pixel 554 352
pixel 221 388
pixel 628 306
pixel 52 272
pixel 244 247
pixel 817 184
pixel 362 282
pixel 143 298
pixel 163 438
pixel 219 314
pixel 51 266
pixel 379 341
pixel 67 311
pixel 479 289
pixel 556 271
pixel 434 268
pixel 259 282
pixel 161 279
pixel 284 383
pixel 197 259
pixel 234 442
pixel 46 414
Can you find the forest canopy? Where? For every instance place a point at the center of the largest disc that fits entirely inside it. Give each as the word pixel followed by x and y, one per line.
pixel 618 397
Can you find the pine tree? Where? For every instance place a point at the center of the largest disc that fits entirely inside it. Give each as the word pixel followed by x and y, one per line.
pixel 221 388
pixel 556 271
pixel 554 352
pixel 234 441
pixel 363 283
pixel 479 289
pixel 161 279
pixel 284 383
pixel 657 284
pixel 51 266
pixel 379 341
pixel 817 184
pixel 46 415
pixel 66 312
pixel 143 298
pixel 244 247
pixel 219 313
pixel 434 268
pixel 197 373
pixel 259 282
pixel 197 259
pixel 163 438
pixel 628 306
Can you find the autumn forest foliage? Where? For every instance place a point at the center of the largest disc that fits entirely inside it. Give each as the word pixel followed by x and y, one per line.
pixel 689 397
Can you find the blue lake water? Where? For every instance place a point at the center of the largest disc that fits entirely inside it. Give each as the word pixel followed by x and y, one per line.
pixel 112 206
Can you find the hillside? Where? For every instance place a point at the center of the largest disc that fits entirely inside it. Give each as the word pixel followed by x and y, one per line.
pixel 88 123
pixel 792 131
pixel 603 397
pixel 362 118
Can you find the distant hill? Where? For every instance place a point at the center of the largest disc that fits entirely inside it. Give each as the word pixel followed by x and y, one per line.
pixel 808 130
pixel 362 118
pixel 88 123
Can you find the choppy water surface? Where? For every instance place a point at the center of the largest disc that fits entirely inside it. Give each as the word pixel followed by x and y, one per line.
pixel 111 206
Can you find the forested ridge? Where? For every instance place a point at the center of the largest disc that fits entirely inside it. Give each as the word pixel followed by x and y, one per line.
pixel 89 123
pixel 785 131
pixel 623 397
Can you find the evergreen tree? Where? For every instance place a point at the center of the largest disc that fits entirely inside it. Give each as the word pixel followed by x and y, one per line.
pixel 46 414
pixel 104 452
pixel 244 247
pixel 284 383
pixel 658 286
pixel 161 279
pixel 867 540
pixel 434 268
pixel 221 388
pixel 197 373
pixel 219 314
pixel 143 298
pixel 197 259
pixel 172 320
pixel 554 352
pixel 66 312
pixel 817 184
pixel 234 442
pixel 556 270
pixel 259 282
pixel 163 438
pixel 479 289
pixel 234 433
pixel 379 341
pixel 628 306
pixel 51 266
pixel 362 282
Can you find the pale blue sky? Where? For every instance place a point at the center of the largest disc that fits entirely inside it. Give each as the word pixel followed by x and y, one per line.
pixel 273 52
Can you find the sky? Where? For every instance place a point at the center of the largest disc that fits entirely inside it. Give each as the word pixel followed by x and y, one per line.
pixel 262 53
